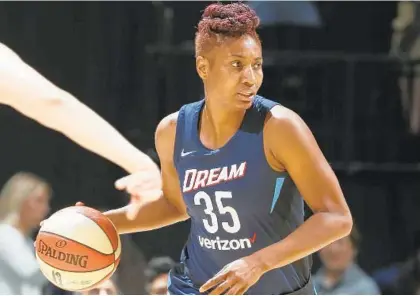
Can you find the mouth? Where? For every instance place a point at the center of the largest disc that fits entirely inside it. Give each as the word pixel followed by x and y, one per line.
pixel 247 95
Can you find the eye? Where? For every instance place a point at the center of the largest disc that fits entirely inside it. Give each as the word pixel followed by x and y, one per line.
pixel 236 64
pixel 257 65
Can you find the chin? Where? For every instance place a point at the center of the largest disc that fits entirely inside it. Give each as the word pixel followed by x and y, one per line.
pixel 244 104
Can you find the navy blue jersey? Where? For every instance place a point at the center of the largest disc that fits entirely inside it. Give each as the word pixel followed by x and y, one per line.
pixel 237 203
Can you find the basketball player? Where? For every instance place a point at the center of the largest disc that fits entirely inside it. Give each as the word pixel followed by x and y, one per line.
pixel 240 166
pixel 25 90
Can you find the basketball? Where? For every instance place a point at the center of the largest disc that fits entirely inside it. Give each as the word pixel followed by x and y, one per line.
pixel 77 248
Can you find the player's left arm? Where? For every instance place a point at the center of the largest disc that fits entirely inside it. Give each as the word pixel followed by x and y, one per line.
pixel 294 149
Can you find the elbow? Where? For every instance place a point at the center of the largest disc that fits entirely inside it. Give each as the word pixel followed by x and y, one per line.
pixel 52 99
pixel 53 102
pixel 345 224
pixel 61 101
pixel 52 111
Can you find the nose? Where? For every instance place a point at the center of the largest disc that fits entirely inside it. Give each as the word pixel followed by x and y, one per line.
pixel 249 77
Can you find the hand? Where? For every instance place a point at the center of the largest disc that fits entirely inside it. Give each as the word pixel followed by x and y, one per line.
pixel 79 203
pixel 143 184
pixel 236 277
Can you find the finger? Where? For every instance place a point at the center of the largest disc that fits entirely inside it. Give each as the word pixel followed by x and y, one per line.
pixel 121 183
pixel 242 290
pixel 222 287
pixel 79 204
pixel 134 189
pixel 213 282
pixel 237 290
pixel 133 210
pixel 234 290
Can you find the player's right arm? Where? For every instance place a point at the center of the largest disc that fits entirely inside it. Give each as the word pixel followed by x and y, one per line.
pixel 169 208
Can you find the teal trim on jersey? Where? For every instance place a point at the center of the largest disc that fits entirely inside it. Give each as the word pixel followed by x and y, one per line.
pixel 277 189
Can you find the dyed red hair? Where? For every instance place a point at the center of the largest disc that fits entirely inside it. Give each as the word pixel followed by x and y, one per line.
pixel 220 21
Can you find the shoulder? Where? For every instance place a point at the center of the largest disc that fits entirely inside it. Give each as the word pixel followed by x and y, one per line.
pixel 168 124
pixel 287 137
pixel 370 285
pixel 166 128
pixel 365 286
pixel 6 228
pixel 165 135
pixel 9 232
pixel 285 121
pixel 362 279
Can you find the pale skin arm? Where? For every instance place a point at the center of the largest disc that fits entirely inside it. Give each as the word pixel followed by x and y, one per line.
pixel 28 92
pixel 293 148
pixel 169 207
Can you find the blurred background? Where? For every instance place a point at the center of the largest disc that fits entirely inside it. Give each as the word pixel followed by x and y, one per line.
pixel 348 68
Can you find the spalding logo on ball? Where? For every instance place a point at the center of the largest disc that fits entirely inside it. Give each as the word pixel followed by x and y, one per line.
pixel 77 248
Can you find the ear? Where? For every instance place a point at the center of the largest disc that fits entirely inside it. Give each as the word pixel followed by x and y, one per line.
pixel 202 65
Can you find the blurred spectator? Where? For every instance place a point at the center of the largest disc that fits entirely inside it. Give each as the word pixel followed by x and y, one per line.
pixel 408 281
pixel 107 287
pixel 339 273
pixel 406 43
pixel 157 274
pixel 130 272
pixel 24 203
pixel 387 277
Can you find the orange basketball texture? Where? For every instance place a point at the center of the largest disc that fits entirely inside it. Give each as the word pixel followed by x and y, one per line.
pixel 77 248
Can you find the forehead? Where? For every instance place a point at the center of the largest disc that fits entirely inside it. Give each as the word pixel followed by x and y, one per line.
pixel 245 46
pixel 345 241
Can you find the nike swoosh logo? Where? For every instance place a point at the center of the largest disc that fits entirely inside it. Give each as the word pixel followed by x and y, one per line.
pixel 254 237
pixel 186 153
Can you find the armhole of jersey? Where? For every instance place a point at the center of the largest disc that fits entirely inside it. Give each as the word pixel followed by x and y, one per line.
pixel 267 106
pixel 179 135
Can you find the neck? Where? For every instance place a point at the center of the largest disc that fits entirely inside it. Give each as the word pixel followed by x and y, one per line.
pixel 333 276
pixel 219 123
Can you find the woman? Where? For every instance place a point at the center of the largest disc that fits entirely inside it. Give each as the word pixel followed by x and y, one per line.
pixel 237 165
pixel 24 203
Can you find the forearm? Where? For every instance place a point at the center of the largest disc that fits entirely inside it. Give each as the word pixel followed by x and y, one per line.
pixel 151 215
pixel 27 91
pixel 318 231
pixel 82 125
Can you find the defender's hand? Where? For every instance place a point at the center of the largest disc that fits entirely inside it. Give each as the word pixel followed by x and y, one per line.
pixel 235 278
pixel 146 183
